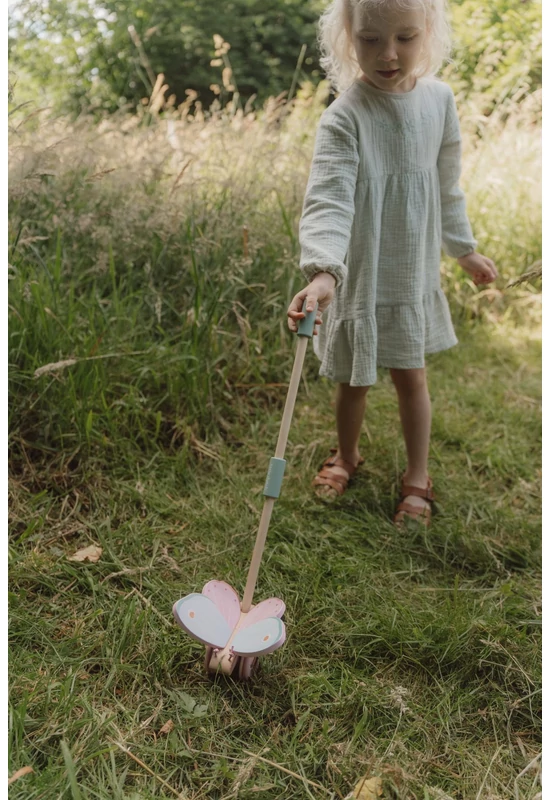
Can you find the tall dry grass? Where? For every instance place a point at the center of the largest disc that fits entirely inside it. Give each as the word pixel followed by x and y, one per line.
pixel 128 180
pixel 128 247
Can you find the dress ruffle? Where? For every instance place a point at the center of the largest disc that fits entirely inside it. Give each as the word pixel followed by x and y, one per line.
pixel 396 336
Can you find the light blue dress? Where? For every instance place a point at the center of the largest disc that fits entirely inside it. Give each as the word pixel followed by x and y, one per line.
pixel 382 199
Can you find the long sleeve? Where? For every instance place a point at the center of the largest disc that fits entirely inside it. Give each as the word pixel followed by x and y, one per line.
pixel 457 236
pixel 328 209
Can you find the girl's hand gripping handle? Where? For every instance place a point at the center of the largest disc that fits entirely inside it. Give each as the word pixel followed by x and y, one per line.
pixel 320 291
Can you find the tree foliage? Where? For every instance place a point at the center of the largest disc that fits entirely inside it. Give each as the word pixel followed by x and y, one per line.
pixel 498 52
pixel 102 54
pixel 106 53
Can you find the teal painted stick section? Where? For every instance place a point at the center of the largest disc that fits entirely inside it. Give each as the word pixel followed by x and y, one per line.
pixel 274 479
pixel 306 325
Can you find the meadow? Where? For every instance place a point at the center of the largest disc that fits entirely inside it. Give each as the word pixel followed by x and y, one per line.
pixel 152 258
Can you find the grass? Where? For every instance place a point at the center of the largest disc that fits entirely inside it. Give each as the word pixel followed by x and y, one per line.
pixel 416 656
pixel 412 656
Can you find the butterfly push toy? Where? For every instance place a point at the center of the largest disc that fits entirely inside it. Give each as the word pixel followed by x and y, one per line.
pixel 237 633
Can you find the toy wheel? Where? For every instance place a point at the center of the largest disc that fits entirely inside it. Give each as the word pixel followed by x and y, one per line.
pixel 247 667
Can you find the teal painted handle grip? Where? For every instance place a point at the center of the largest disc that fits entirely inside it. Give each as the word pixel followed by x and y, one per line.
pixel 274 479
pixel 306 325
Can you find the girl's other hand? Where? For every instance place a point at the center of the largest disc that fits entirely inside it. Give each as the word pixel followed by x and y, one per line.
pixel 320 290
pixel 481 268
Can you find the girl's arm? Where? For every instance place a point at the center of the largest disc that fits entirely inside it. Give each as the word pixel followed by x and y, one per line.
pixel 329 203
pixel 457 236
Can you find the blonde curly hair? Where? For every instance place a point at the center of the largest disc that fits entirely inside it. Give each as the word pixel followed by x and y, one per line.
pixel 338 57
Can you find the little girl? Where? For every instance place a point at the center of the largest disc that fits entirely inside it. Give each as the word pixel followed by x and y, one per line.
pixel 382 199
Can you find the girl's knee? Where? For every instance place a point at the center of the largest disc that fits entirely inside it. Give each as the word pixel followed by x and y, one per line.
pixel 409 380
pixel 353 391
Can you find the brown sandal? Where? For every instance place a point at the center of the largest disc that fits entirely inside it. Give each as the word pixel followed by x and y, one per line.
pixel 327 477
pixel 422 514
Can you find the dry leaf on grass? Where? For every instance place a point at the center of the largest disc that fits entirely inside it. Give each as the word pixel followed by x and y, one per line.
pixel 167 728
pixel 367 789
pixel 54 367
pixel 90 553
pixel 19 774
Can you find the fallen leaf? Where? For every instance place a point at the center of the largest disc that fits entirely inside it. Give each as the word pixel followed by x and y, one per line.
pixel 55 367
pixel 367 789
pixel 167 728
pixel 188 704
pixel 19 774
pixel 91 553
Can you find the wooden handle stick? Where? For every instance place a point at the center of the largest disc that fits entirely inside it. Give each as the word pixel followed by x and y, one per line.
pixel 279 453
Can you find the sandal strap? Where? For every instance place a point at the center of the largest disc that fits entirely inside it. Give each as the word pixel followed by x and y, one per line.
pixel 416 491
pixel 413 511
pixel 407 511
pixel 338 487
pixel 340 462
pixel 327 477
pixel 327 474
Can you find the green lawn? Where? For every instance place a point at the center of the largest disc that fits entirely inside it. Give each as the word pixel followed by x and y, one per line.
pixel 414 656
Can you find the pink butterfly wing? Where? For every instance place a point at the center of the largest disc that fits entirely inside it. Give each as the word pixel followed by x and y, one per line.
pixel 272 607
pixel 226 600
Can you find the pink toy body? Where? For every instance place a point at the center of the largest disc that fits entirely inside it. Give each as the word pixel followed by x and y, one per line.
pixel 214 617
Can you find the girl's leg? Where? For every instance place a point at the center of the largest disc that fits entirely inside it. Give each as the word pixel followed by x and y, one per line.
pixel 351 402
pixel 350 411
pixel 416 417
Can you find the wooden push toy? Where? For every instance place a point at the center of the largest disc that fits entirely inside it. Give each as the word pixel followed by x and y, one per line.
pixel 235 633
